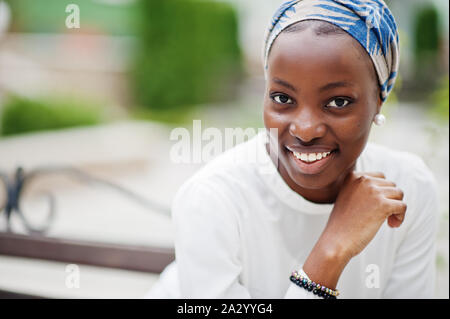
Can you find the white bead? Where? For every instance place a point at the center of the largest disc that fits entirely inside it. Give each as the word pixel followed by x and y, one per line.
pixel 379 119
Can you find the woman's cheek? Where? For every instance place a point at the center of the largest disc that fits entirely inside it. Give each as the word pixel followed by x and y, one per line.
pixel 352 128
pixel 353 138
pixel 273 119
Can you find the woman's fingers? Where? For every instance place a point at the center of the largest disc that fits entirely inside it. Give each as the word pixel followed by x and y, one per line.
pixel 395 220
pixel 383 182
pixel 378 177
pixel 396 212
pixel 392 192
pixel 372 174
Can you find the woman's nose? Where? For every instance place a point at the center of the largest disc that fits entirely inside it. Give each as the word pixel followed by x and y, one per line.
pixel 306 125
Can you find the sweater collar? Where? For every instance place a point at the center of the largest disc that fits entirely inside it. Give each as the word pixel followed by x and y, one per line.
pixel 273 180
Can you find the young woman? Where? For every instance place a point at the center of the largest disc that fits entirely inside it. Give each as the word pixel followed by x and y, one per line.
pixel 339 212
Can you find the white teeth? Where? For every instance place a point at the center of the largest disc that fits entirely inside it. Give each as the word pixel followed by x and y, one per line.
pixel 311 157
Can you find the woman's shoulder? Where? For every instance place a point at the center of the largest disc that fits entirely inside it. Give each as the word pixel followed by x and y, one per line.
pixel 392 160
pixel 227 173
pixel 216 193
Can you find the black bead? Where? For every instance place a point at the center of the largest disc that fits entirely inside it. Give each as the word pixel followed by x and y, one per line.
pixel 315 291
pixel 310 287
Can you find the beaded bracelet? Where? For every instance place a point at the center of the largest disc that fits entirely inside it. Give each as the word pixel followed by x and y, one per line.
pixel 309 285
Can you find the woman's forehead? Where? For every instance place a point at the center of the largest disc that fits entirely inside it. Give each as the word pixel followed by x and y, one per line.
pixel 305 53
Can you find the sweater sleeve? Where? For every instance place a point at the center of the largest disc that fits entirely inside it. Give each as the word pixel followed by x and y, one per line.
pixel 413 273
pixel 207 245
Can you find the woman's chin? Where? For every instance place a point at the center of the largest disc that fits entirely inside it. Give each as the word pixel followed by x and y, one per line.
pixel 305 179
pixel 312 185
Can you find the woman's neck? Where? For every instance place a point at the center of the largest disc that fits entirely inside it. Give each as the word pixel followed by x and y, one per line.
pixel 326 195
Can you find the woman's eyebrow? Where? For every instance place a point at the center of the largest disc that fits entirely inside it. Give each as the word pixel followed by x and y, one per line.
pixel 334 85
pixel 326 87
pixel 285 84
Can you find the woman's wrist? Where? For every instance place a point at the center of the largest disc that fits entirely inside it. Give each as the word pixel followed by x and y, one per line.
pixel 325 263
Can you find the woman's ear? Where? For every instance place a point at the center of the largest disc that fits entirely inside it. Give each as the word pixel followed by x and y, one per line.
pixel 379 104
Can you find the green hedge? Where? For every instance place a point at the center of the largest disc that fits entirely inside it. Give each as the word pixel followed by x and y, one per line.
pixel 188 53
pixel 427 34
pixel 49 16
pixel 440 100
pixel 21 115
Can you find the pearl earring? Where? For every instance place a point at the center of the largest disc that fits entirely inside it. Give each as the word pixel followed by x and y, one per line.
pixel 379 119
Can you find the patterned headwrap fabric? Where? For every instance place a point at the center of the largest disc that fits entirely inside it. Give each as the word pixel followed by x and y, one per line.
pixel 370 22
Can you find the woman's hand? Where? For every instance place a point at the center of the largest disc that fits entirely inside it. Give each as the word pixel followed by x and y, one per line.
pixel 364 202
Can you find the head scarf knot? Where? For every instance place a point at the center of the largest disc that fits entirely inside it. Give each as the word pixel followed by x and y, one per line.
pixel 370 22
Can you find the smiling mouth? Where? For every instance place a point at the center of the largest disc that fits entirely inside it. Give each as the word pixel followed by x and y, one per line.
pixel 312 163
pixel 311 157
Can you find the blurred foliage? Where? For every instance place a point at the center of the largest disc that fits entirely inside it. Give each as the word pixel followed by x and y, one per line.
pixel 169 116
pixel 427 34
pixel 21 115
pixel 49 16
pixel 426 31
pixel 188 54
pixel 441 262
pixel 395 95
pixel 440 100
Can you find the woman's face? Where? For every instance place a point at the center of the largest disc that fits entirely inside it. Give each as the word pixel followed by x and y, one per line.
pixel 322 96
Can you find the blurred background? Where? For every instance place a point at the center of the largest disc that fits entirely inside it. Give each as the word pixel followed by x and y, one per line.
pixel 103 96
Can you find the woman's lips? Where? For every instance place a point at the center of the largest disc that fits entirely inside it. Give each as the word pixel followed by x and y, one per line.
pixel 314 166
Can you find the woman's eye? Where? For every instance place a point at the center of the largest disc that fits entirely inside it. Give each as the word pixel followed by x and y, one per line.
pixel 282 99
pixel 338 103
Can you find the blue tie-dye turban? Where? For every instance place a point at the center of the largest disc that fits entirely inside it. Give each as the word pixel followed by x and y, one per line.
pixel 368 21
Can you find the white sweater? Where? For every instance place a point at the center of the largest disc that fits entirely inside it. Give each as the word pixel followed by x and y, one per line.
pixel 240 231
